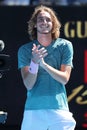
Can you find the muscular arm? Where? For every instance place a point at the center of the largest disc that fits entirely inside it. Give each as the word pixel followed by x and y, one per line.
pixel 61 75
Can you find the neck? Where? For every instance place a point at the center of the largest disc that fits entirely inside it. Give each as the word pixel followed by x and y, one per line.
pixel 45 39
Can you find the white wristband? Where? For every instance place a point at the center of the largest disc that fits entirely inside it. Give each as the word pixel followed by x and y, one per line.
pixel 33 68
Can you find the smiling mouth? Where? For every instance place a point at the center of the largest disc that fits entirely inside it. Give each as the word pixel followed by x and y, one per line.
pixel 45 27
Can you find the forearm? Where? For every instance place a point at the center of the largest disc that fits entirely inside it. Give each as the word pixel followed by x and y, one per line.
pixel 29 75
pixel 29 80
pixel 60 76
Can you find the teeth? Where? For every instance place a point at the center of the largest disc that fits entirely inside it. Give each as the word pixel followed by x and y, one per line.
pixel 44 26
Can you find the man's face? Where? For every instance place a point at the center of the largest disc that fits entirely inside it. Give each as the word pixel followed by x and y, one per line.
pixel 44 23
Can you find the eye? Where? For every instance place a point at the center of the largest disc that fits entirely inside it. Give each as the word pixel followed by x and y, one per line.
pixel 48 19
pixel 40 20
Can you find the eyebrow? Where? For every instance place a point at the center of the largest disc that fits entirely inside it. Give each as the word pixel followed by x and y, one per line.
pixel 43 17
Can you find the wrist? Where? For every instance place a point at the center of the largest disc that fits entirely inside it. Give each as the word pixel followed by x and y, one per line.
pixel 33 68
pixel 42 63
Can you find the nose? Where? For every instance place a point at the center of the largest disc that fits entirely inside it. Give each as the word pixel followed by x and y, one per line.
pixel 44 20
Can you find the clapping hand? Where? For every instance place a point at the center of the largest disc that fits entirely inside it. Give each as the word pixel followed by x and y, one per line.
pixel 38 53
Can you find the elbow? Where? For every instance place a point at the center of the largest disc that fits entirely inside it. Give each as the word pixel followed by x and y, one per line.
pixel 65 81
pixel 27 85
pixel 29 88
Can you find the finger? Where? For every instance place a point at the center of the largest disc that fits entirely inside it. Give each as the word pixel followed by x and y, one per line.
pixel 38 46
pixel 40 50
pixel 42 56
pixel 35 48
pixel 43 52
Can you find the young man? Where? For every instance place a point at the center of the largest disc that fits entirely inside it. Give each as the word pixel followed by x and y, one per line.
pixel 46 64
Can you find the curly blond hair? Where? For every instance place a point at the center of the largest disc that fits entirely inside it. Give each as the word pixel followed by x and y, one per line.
pixel 32 31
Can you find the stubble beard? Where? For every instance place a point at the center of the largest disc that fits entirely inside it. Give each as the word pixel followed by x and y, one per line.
pixel 42 32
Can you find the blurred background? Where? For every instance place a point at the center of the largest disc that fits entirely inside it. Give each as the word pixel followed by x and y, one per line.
pixel 14 15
